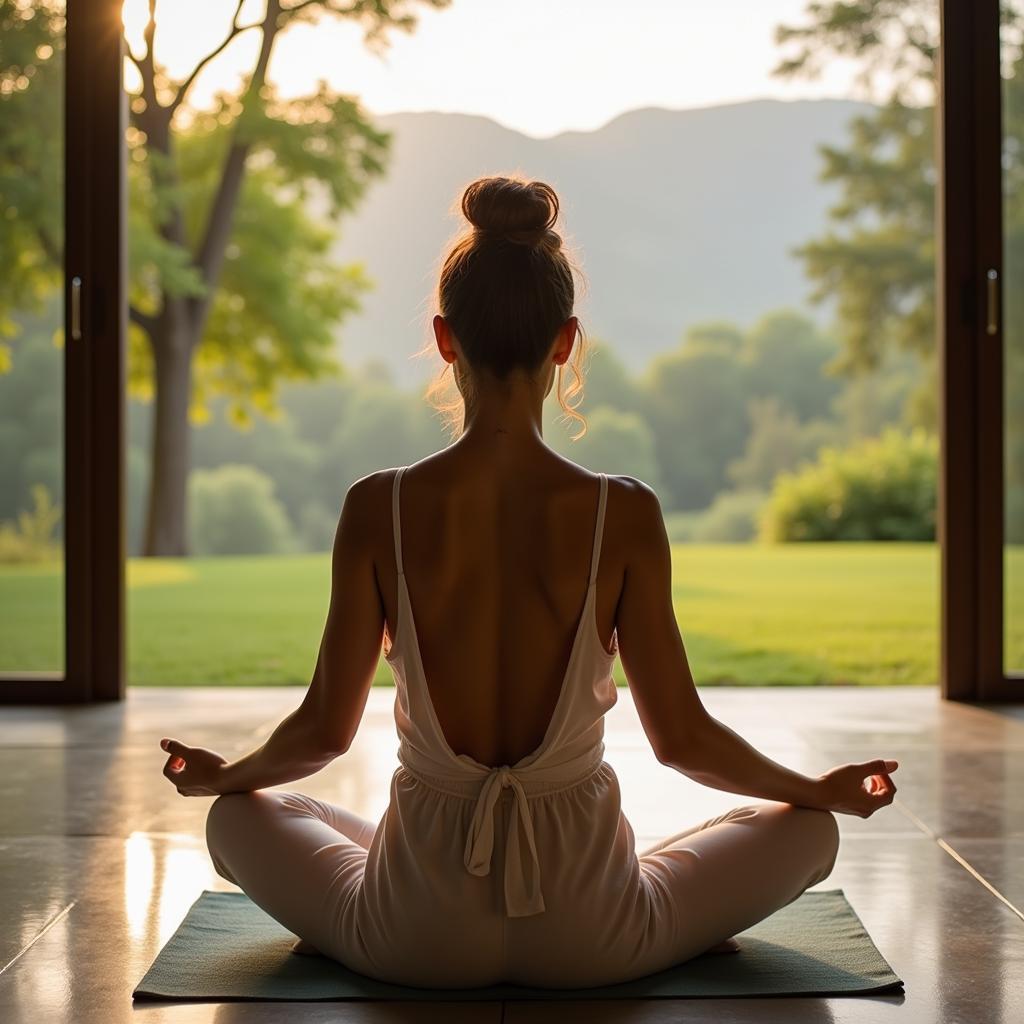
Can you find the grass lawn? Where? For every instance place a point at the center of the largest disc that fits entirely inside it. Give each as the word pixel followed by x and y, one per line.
pixel 759 614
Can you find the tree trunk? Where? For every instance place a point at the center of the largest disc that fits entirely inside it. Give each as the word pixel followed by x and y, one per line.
pixel 176 333
pixel 166 519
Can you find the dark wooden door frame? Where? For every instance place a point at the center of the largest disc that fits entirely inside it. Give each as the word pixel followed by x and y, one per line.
pixel 970 354
pixel 94 366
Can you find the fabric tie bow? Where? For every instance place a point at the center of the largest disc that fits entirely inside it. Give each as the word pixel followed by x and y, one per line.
pixel 522 895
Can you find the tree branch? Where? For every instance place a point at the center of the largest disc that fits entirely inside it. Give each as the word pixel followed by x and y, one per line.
pixel 137 61
pixel 143 320
pixel 210 256
pixel 235 31
pixel 300 5
pixel 147 63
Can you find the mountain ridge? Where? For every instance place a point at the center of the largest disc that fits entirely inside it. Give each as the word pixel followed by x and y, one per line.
pixel 677 216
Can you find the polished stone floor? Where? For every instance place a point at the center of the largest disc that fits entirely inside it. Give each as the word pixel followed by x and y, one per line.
pixel 100 858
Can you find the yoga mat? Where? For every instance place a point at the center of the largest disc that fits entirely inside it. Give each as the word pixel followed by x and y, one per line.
pixel 228 949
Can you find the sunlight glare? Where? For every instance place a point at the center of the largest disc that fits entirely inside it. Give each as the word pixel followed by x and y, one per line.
pixel 138 882
pixel 574 65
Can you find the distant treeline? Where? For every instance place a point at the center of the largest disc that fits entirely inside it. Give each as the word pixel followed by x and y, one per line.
pixel 710 425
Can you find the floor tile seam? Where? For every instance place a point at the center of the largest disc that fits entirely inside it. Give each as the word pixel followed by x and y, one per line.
pixel 965 864
pixel 59 916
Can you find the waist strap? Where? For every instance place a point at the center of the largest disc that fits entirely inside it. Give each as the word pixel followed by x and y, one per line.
pixel 522 885
pixel 523 896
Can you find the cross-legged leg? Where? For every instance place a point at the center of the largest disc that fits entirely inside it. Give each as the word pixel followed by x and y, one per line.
pixel 296 857
pixel 731 871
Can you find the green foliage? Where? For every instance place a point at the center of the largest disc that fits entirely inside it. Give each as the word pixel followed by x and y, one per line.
pixel 880 489
pixel 717 336
pixel 607 382
pixel 732 516
pixel 680 525
pixel 778 441
pixel 878 261
pixel 31 159
pixel 328 434
pixel 785 357
pixel 231 288
pixel 615 442
pixel 279 296
pixel 31 538
pixel 377 426
pixel 870 401
pixel 896 40
pixel 697 412
pixel 234 511
pixel 316 526
pixel 31 415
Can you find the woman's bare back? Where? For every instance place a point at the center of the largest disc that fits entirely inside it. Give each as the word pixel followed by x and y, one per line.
pixel 496 561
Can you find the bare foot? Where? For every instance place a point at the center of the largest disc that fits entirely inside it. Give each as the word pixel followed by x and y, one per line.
pixel 304 948
pixel 725 946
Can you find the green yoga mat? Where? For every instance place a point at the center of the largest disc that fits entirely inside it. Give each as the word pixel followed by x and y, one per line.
pixel 228 949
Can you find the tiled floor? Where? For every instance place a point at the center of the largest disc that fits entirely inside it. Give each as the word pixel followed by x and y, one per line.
pixel 100 859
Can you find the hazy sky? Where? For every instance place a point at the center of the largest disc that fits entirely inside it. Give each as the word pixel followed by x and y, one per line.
pixel 540 66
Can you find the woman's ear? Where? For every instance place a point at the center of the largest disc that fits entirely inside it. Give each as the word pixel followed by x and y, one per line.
pixel 566 337
pixel 444 339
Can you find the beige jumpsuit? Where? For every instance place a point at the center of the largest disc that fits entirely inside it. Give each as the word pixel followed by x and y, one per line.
pixel 523 873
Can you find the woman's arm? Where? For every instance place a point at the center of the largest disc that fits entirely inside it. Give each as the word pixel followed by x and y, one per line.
pixel 293 750
pixel 682 733
pixel 323 726
pixel 722 759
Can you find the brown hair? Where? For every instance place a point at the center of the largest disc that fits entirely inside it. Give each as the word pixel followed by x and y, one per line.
pixel 505 287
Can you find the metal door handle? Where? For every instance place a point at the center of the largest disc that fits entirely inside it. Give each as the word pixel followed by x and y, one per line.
pixel 76 309
pixel 992 326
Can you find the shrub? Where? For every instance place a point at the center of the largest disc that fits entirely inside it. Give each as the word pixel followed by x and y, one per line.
pixel 31 539
pixel 883 488
pixel 233 511
pixel 317 526
pixel 680 526
pixel 732 516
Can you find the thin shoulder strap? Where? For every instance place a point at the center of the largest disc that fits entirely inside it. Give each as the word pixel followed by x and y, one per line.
pixel 396 520
pixel 602 501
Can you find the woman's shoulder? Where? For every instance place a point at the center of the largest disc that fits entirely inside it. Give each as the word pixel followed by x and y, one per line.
pixel 636 500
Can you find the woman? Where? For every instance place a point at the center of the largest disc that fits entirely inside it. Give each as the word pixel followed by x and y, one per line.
pixel 503 855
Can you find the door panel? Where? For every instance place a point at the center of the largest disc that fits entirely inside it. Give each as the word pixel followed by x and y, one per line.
pixel 61 618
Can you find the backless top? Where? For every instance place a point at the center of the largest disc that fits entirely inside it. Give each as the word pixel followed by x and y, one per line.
pixel 572 748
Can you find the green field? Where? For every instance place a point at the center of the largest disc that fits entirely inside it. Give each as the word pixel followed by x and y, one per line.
pixel 758 614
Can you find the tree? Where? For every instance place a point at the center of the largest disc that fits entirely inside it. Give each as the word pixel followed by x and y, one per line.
pixel 696 408
pixel 787 358
pixel 607 382
pixel 237 513
pixel 878 263
pixel 615 441
pixel 778 441
pixel 231 287
pixel 239 286
pixel 31 160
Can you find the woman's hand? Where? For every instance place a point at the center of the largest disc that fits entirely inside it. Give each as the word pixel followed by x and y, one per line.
pixel 195 771
pixel 859 789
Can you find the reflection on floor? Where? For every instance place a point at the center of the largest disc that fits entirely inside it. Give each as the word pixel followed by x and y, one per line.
pixel 100 858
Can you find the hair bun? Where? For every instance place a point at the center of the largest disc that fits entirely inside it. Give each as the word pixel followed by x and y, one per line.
pixel 512 208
